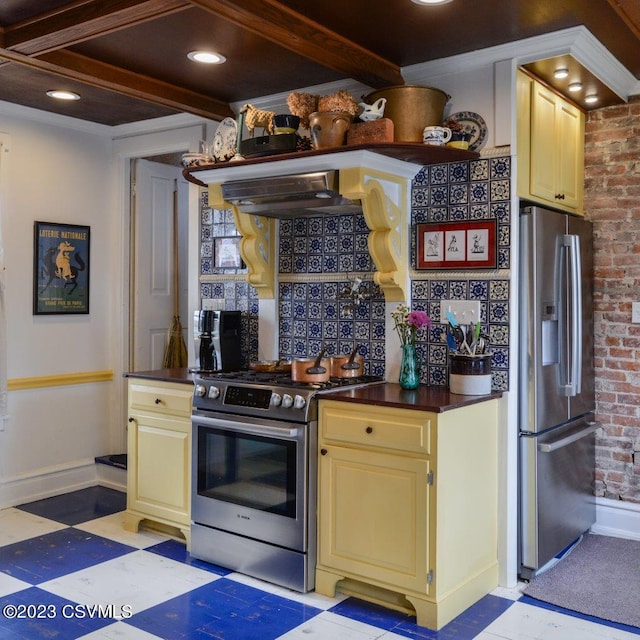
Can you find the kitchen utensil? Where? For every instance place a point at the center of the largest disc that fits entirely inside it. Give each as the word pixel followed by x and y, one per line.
pixel 451 341
pixel 347 366
pixel 311 369
pixel 271 366
pixel 411 108
pixel 452 319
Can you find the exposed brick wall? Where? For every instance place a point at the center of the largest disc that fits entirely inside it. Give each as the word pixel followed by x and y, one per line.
pixel 612 202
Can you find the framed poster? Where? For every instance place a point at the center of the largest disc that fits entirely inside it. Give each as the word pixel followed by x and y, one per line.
pixel 227 253
pixel 60 268
pixel 457 245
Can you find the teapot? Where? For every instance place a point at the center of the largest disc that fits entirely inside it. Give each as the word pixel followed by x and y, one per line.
pixel 372 111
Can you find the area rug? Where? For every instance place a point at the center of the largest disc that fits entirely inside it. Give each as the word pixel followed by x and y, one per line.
pixel 599 577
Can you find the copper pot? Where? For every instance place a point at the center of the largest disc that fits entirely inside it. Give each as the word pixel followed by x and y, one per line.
pixel 349 366
pixel 271 366
pixel 311 369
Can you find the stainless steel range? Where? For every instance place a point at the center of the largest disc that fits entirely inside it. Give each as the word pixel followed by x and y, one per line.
pixel 253 504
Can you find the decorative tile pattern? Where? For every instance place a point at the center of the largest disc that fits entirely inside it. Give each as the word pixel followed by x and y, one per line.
pixel 312 313
pixel 477 190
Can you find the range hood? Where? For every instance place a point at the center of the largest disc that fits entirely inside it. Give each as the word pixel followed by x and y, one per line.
pixel 290 196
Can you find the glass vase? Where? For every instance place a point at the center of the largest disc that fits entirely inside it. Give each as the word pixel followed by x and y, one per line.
pixel 409 373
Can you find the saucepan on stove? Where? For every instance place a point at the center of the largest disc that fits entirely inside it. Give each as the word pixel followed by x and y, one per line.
pixel 347 366
pixel 316 369
pixel 271 366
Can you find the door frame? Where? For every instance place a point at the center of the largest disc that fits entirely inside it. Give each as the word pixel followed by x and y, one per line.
pixel 125 150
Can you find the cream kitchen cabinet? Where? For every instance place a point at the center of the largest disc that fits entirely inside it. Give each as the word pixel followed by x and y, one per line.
pixel 158 456
pixel 407 506
pixel 550 147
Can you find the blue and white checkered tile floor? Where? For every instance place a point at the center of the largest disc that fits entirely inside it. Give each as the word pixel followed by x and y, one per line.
pixel 68 570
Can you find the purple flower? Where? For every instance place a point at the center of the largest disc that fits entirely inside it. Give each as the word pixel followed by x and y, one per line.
pixel 419 319
pixel 408 323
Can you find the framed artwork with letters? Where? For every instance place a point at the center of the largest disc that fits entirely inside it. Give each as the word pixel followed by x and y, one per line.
pixel 456 245
pixel 60 268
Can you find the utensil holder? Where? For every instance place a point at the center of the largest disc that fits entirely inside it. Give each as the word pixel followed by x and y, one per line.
pixel 470 375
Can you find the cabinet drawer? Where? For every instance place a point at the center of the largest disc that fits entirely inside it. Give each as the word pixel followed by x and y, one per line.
pixel 161 398
pixel 376 427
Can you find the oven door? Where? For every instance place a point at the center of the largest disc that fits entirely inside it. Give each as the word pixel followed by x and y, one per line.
pixel 250 477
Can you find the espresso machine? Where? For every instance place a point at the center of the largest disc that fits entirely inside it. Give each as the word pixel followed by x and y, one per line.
pixel 217 340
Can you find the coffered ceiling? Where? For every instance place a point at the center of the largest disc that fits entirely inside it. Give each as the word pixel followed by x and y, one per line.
pixel 128 60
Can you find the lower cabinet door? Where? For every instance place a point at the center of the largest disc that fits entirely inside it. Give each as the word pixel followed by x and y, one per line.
pixel 158 481
pixel 373 516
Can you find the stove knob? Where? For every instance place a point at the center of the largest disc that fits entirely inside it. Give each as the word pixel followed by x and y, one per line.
pixel 276 399
pixel 200 391
pixel 299 402
pixel 214 392
pixel 287 401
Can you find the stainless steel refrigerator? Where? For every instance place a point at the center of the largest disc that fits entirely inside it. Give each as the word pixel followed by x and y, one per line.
pixel 556 385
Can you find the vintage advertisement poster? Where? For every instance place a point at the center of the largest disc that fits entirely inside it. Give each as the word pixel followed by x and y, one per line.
pixel 60 268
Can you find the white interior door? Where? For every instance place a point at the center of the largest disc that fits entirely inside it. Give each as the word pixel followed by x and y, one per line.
pixel 152 302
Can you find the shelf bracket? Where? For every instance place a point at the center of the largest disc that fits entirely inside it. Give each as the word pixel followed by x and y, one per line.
pixel 256 244
pixel 384 200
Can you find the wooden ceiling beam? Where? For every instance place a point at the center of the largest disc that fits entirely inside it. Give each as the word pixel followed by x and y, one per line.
pixel 278 23
pixel 82 20
pixel 629 11
pixel 104 76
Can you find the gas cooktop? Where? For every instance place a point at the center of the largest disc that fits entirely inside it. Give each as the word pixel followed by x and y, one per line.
pixel 250 376
pixel 265 394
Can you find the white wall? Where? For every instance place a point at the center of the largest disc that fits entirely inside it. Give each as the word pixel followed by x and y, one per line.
pixel 55 174
pixel 62 170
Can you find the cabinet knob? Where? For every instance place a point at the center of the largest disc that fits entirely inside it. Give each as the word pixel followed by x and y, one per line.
pixel 158 401
pixel 369 429
pixel 132 419
pixel 323 452
pixel 559 196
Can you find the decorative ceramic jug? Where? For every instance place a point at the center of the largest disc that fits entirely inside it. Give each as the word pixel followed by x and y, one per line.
pixel 372 111
pixel 329 128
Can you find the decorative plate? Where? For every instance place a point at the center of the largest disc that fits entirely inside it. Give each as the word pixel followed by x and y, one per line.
pixel 225 140
pixel 474 124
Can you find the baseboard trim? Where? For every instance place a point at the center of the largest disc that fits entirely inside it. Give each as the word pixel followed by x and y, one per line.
pixel 47 482
pixel 617 518
pixel 112 477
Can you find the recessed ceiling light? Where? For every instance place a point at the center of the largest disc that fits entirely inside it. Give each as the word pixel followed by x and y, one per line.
pixel 63 95
pixel 591 98
pixel 561 73
pixel 207 57
pixel 431 1
pixel 575 86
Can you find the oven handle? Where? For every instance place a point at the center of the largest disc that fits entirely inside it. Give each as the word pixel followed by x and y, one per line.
pixel 252 429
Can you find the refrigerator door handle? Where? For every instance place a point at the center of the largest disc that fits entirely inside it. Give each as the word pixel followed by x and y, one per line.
pixel 549 447
pixel 574 381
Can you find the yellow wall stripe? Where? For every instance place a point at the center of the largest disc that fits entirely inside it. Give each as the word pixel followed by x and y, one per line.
pixel 62 379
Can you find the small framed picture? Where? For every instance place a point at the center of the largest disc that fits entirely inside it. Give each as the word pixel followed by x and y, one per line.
pixel 456 245
pixel 226 253
pixel 60 268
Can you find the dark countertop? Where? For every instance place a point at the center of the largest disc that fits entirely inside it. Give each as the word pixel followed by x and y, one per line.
pixel 164 375
pixel 388 394
pixel 424 398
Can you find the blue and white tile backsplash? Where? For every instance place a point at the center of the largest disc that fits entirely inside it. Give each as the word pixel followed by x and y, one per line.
pixel 318 257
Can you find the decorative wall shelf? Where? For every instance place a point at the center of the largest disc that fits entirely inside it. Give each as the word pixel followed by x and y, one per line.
pixel 378 175
pixel 414 153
